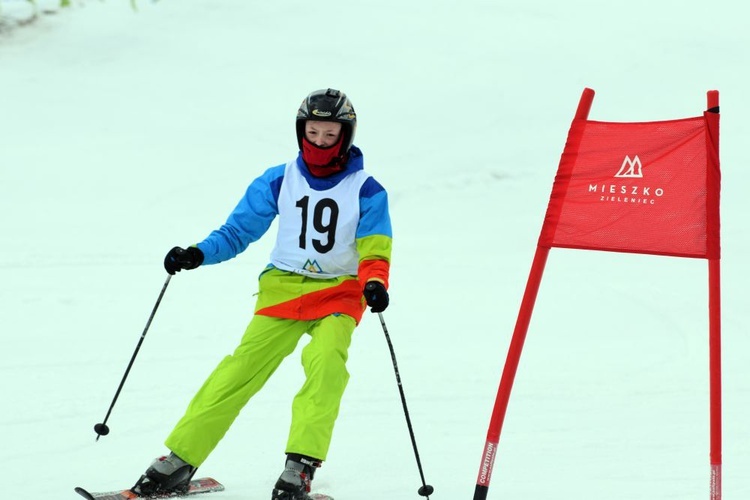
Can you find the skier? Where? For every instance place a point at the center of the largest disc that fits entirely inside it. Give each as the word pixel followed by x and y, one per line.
pixel 331 260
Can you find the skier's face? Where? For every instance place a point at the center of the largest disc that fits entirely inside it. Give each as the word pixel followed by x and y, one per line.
pixel 322 134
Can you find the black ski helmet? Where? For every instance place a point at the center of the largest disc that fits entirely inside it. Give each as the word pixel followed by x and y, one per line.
pixel 328 105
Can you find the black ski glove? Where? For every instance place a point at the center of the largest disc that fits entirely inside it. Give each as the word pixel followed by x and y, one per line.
pixel 182 258
pixel 376 296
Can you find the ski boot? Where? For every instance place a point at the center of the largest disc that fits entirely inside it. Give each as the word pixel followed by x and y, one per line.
pixel 294 482
pixel 166 475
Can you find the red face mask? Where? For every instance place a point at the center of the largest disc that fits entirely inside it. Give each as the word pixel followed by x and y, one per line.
pixel 322 161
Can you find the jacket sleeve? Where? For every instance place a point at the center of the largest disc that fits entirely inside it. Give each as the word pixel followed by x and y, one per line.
pixel 250 219
pixel 374 234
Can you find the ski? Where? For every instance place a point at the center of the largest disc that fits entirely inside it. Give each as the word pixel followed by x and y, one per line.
pixel 320 496
pixel 197 486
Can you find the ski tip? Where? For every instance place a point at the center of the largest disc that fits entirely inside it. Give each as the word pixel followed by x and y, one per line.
pixel 84 493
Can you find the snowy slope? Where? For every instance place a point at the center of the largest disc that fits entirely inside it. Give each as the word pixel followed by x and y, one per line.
pixel 126 133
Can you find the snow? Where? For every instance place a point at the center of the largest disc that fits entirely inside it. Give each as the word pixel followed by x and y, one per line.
pixel 126 132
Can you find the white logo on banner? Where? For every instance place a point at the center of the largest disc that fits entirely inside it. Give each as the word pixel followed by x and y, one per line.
pixel 628 192
pixel 631 168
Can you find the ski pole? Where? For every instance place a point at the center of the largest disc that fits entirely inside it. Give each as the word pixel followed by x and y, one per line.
pixel 425 490
pixel 102 429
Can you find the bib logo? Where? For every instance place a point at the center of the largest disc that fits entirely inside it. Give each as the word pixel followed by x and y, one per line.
pixel 312 266
pixel 628 192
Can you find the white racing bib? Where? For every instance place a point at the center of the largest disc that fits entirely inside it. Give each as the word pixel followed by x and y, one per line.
pixel 317 229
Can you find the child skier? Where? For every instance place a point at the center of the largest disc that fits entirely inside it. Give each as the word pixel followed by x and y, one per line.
pixel 330 261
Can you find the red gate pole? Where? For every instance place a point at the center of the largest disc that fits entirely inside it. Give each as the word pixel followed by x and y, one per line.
pixel 714 290
pixel 714 307
pixel 509 373
pixel 517 341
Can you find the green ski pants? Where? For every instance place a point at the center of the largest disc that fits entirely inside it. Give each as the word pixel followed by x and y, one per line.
pixel 265 344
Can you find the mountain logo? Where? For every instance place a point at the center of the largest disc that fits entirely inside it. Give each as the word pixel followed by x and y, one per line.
pixel 312 266
pixel 631 168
